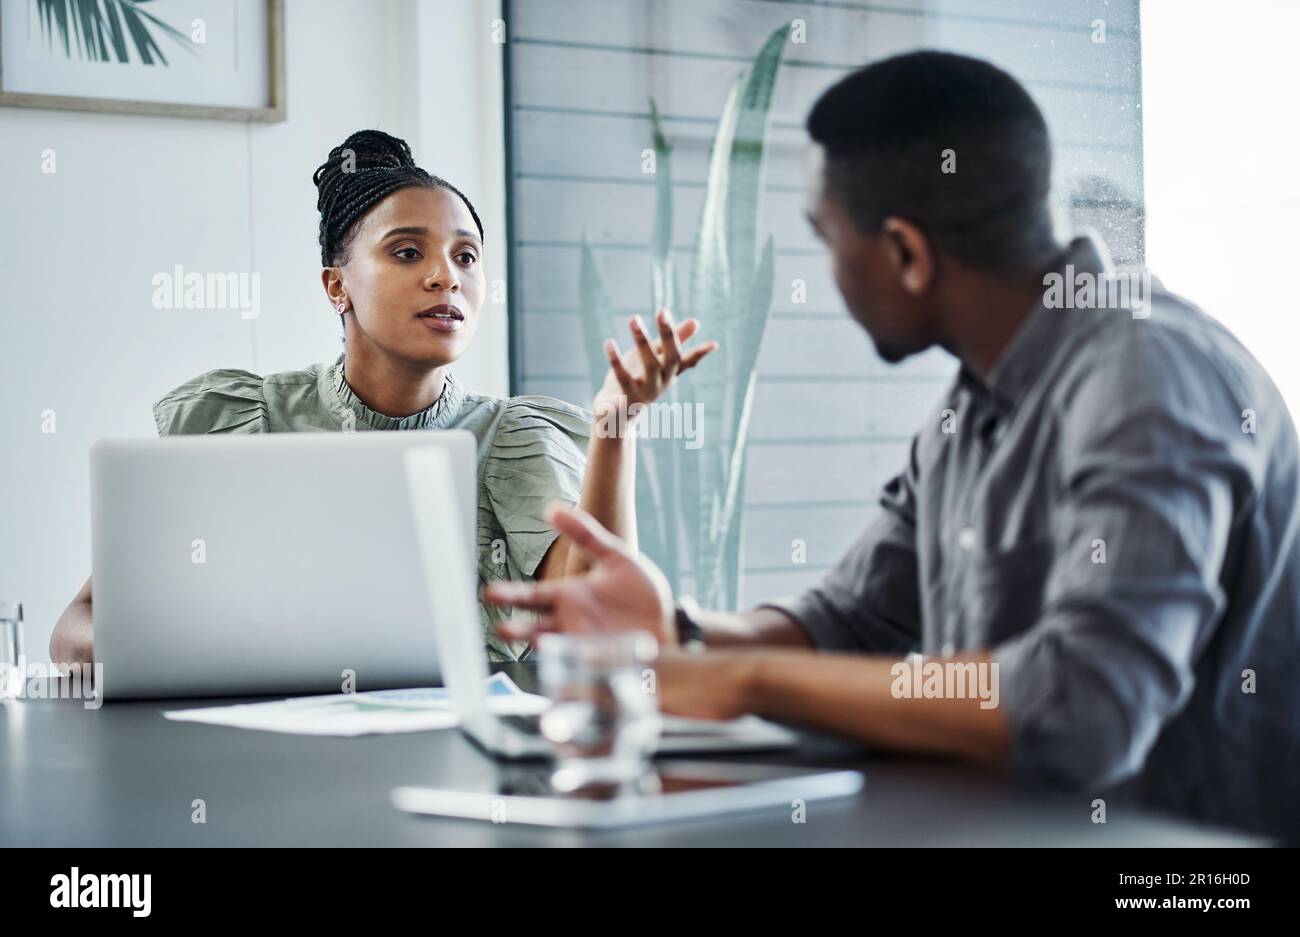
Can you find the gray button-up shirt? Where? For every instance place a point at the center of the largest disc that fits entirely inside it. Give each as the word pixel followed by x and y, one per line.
pixel 1114 514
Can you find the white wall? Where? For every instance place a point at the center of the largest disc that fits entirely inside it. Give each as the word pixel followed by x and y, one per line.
pixel 133 196
pixel 1221 136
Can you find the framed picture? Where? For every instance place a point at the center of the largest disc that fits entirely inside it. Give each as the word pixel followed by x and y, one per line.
pixel 183 58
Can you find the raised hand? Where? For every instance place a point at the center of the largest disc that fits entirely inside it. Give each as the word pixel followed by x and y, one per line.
pixel 645 371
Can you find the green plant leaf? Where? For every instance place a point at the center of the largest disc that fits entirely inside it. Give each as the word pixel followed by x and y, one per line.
pixel 741 319
pixel 91 23
pixel 657 511
pixel 710 298
pixel 593 309
pixel 661 251
pixel 181 39
pixel 710 280
pixel 116 32
pixel 748 152
pixel 730 559
pixel 55 14
pixel 699 493
pixel 662 461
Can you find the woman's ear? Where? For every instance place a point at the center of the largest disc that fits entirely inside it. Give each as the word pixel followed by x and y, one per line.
pixel 332 279
pixel 910 254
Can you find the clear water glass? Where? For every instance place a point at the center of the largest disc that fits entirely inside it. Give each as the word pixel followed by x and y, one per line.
pixel 603 722
pixel 11 650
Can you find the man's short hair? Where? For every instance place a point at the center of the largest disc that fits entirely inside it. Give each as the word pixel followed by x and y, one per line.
pixel 886 129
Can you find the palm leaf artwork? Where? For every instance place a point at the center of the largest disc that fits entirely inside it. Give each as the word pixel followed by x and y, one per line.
pixel 692 498
pixel 101 28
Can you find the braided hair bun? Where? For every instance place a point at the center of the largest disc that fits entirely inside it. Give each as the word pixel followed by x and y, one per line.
pixel 359 173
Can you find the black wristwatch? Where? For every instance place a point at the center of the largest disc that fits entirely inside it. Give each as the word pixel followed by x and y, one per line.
pixel 687 615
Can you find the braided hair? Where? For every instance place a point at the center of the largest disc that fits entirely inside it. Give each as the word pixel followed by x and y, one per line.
pixel 359 173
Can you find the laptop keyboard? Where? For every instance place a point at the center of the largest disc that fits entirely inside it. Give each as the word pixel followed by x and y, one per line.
pixel 530 725
pixel 671 726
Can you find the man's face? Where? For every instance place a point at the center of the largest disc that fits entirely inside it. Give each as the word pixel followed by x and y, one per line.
pixel 869 271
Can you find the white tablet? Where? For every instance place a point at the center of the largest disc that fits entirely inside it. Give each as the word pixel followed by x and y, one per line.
pixel 681 790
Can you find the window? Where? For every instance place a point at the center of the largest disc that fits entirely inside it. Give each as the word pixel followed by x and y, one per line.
pixel 1224 201
pixel 831 422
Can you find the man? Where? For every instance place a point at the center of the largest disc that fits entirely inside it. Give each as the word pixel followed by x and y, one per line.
pixel 1097 531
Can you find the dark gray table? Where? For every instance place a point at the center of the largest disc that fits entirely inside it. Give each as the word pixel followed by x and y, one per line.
pixel 125 776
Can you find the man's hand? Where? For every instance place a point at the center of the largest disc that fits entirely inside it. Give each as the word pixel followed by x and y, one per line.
pixel 714 685
pixel 621 591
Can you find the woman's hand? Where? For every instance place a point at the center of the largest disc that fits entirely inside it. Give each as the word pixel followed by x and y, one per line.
pixel 645 371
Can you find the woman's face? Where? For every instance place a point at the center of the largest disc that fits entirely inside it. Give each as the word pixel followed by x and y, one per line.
pixel 417 250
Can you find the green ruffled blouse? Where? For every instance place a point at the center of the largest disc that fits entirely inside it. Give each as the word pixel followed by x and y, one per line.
pixel 531 451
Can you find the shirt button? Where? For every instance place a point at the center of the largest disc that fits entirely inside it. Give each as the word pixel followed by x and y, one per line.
pixel 966 538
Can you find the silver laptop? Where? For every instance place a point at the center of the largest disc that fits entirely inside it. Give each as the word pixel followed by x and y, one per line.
pixel 285 563
pixel 451 583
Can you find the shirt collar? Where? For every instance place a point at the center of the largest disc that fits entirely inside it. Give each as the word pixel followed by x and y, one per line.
pixel 1044 329
pixel 441 414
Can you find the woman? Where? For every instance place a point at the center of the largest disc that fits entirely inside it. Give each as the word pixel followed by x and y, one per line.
pixel 402 253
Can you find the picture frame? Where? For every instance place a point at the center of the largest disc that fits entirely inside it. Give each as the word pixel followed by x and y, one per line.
pixel 107 56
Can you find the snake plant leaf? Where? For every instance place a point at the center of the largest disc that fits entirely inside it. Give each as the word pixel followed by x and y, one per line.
pixel 760 297
pixel 745 181
pixel 692 498
pixel 593 312
pixel 661 257
pixel 710 299
pixel 657 512
pixel 731 555
pixel 710 280
pixel 721 487
pixel 662 458
pixel 654 513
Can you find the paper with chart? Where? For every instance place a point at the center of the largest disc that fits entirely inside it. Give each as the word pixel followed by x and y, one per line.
pixel 377 712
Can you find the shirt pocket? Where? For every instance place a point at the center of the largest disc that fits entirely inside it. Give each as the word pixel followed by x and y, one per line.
pixel 1003 592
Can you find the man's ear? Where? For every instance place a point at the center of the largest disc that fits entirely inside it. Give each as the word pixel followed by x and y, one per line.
pixel 910 253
